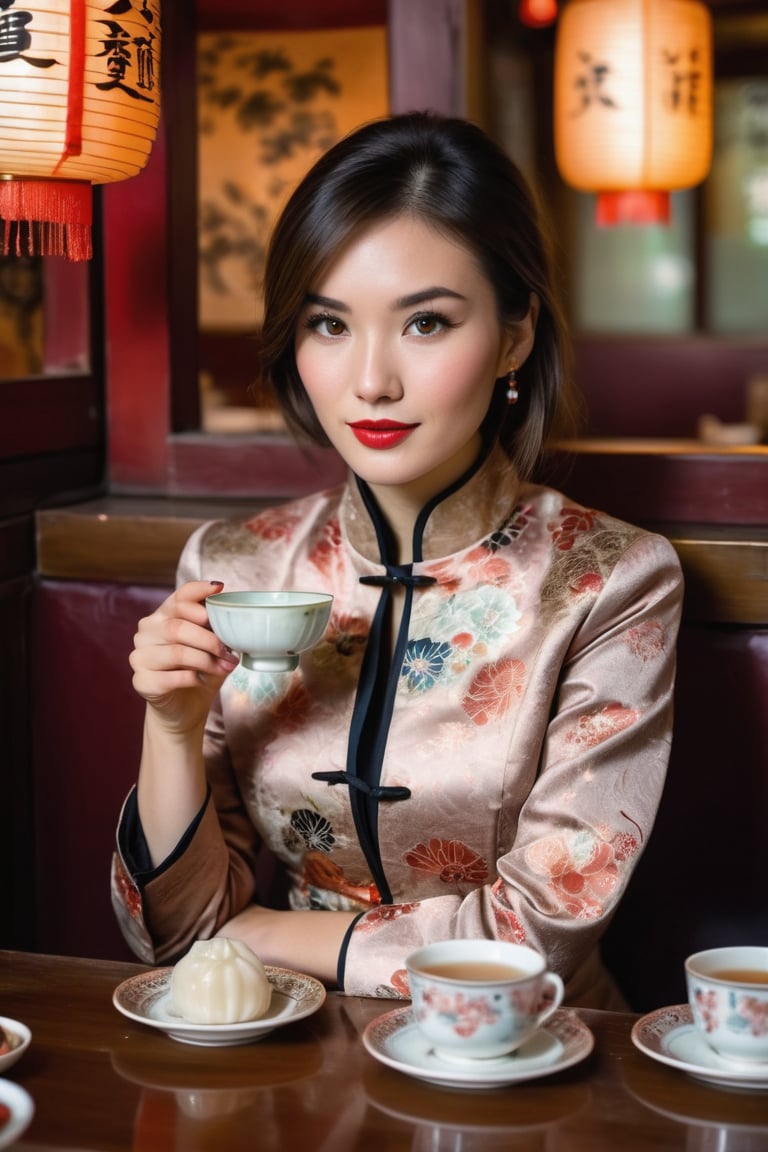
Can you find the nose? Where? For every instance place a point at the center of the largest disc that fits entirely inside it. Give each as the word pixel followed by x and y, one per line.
pixel 377 372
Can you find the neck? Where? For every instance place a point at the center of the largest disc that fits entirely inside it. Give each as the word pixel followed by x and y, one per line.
pixel 401 505
pixel 400 508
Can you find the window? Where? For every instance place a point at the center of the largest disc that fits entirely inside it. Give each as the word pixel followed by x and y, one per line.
pixel 670 322
pixel 51 396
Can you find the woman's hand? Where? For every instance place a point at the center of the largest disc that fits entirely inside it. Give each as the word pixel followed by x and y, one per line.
pixel 178 663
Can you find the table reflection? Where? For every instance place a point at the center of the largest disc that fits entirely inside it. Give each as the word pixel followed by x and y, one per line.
pixel 220 1121
pixel 178 1108
pixel 717 1119
pixel 451 1120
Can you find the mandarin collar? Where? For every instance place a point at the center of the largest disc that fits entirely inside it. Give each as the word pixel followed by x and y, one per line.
pixel 456 519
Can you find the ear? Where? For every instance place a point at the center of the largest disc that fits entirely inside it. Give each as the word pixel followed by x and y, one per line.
pixel 519 337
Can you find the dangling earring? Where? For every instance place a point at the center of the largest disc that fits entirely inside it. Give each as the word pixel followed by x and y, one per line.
pixel 512 393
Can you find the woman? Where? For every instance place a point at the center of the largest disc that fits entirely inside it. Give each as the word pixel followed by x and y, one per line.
pixel 479 744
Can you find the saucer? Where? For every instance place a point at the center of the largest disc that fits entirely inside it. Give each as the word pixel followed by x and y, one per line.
pixel 395 1040
pixel 669 1035
pixel 147 997
pixel 20 1037
pixel 21 1109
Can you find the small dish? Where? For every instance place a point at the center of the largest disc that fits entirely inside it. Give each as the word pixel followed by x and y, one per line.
pixel 20 1110
pixel 670 1036
pixel 20 1037
pixel 395 1040
pixel 146 999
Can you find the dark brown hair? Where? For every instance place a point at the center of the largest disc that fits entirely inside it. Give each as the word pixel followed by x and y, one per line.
pixel 449 173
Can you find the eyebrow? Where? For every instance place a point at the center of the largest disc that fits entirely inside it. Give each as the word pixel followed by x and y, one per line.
pixel 326 302
pixel 410 301
pixel 435 292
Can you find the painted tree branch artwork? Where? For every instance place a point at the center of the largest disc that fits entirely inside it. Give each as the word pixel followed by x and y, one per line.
pixel 269 104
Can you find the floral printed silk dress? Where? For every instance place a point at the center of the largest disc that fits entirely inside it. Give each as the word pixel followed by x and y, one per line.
pixel 492 769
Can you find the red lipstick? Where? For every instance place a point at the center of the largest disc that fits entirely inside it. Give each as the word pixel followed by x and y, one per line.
pixel 381 433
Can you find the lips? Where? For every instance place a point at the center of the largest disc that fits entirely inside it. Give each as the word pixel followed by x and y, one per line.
pixel 381 433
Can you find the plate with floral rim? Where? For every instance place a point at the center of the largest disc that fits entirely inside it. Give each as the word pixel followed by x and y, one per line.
pixel 670 1036
pixel 396 1041
pixel 146 998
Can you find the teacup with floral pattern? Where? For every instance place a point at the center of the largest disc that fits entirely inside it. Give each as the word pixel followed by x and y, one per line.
pixel 728 997
pixel 480 999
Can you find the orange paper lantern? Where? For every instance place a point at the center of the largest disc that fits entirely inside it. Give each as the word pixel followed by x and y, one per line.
pixel 633 102
pixel 79 105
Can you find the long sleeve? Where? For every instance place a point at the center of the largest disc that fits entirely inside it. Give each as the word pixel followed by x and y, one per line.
pixel 211 876
pixel 568 850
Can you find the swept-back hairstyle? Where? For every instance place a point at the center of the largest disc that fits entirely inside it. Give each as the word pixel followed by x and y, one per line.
pixel 450 174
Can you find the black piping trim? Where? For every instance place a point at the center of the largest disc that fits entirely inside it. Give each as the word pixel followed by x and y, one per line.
pixel 341 963
pixel 379 675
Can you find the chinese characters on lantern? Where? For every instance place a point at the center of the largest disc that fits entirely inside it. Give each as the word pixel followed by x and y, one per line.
pixel 128 55
pixel 14 37
pixel 685 84
pixel 681 91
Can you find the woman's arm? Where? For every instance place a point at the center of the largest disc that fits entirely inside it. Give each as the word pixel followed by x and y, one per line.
pixel 306 941
pixel 178 667
pixel 207 886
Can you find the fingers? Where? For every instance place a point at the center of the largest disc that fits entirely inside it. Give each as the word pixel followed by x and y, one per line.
pixel 176 640
pixel 188 602
pixel 182 619
pixel 187 653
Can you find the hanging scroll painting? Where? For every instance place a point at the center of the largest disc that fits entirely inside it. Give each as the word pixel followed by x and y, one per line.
pixel 269 103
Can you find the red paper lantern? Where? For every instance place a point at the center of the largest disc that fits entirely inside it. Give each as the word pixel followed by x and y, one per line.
pixel 633 102
pixel 537 13
pixel 79 105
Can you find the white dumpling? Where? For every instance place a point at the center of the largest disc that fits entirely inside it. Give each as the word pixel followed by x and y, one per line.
pixel 220 981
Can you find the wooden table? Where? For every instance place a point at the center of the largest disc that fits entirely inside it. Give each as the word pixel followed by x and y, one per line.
pixel 102 1082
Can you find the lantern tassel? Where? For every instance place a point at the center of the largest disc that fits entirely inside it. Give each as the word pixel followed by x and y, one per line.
pixel 46 218
pixel 633 206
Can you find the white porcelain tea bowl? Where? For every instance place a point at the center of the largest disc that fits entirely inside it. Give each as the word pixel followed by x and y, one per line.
pixel 270 630
pixel 728 997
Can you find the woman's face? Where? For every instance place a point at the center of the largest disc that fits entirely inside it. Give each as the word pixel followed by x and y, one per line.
pixel 399 347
